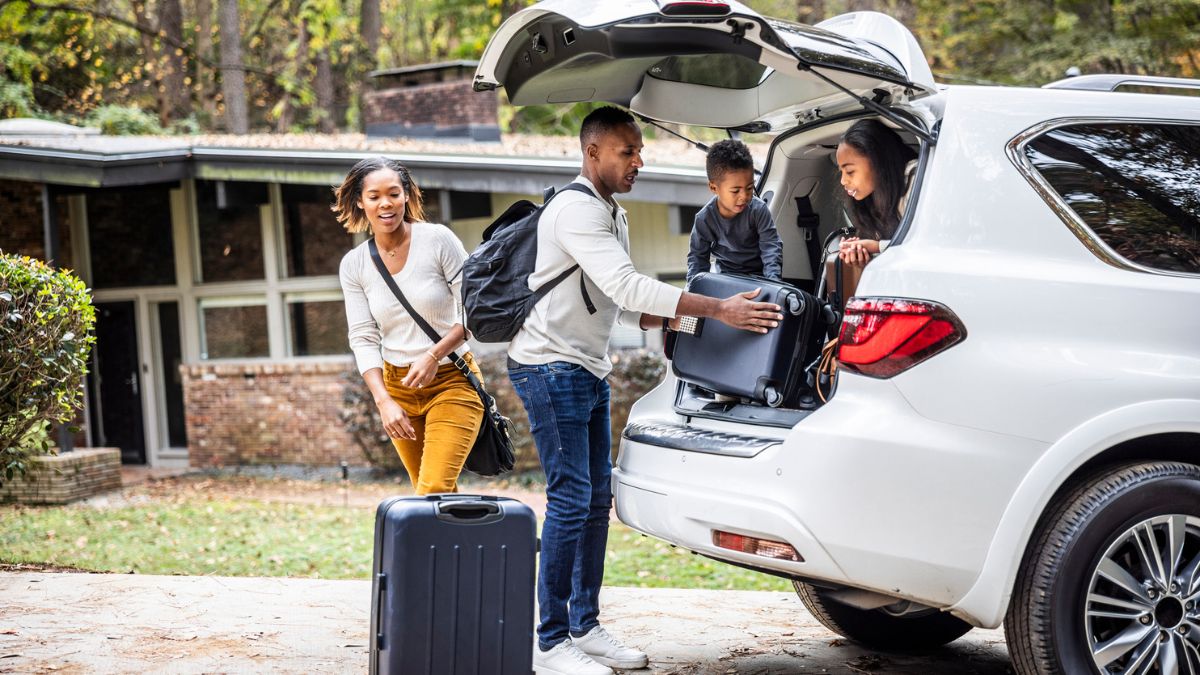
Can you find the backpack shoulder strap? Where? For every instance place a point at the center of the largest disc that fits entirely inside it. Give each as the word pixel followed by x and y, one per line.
pixel 548 194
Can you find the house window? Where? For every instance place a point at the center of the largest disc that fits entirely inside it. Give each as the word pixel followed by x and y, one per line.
pixel 314 242
pixel 431 201
pixel 232 328
pixel 682 218
pixel 317 324
pixel 230 230
pixel 1135 185
pixel 624 337
pixel 129 235
pixel 470 205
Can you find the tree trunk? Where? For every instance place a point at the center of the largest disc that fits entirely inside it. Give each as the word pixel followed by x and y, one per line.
pixel 177 99
pixel 810 11
pixel 324 91
pixel 368 26
pixel 150 58
pixel 904 11
pixel 287 112
pixel 233 73
pixel 202 77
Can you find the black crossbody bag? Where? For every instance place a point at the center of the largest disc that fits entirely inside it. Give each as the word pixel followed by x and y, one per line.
pixel 492 453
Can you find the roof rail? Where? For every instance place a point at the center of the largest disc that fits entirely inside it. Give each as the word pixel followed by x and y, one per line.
pixel 1111 81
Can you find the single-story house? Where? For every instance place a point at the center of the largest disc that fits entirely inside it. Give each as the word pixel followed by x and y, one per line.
pixel 213 263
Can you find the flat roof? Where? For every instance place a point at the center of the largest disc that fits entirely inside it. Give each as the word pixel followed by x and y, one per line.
pixel 425 68
pixel 524 164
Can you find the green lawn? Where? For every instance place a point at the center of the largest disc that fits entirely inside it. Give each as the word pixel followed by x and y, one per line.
pixel 250 538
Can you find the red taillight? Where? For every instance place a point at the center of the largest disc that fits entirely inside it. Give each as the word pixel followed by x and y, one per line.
pixel 693 7
pixel 755 546
pixel 881 337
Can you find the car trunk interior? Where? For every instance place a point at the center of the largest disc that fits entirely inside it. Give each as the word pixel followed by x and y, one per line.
pixel 801 184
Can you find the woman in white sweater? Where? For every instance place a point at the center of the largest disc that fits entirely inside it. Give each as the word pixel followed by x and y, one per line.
pixel 429 409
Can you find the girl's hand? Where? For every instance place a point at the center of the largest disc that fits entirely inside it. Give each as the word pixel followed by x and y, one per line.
pixel 857 252
pixel 395 421
pixel 421 372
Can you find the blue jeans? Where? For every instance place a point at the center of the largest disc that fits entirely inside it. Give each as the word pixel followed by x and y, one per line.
pixel 569 420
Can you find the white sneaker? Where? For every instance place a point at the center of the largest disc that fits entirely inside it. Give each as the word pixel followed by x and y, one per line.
pixel 566 659
pixel 603 648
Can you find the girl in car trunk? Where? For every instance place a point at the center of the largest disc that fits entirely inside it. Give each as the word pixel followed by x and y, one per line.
pixel 877 170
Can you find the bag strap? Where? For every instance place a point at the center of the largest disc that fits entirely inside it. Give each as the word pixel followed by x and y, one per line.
pixel 421 322
pixel 548 194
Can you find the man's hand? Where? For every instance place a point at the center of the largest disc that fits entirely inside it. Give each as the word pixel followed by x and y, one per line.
pixel 740 311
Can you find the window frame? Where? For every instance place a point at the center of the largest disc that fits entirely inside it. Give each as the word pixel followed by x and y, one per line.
pixel 1074 222
pixel 230 301
pixel 301 297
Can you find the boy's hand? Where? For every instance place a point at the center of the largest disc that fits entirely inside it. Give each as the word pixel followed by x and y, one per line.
pixel 740 311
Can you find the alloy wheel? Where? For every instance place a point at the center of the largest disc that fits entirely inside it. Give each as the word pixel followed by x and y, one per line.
pixel 1142 611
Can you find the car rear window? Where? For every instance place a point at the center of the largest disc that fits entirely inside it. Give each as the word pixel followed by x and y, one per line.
pixel 728 71
pixel 1135 185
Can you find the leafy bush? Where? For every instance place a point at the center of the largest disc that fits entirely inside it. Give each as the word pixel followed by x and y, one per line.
pixel 360 417
pixel 635 372
pixel 119 120
pixel 16 100
pixel 46 321
pixel 188 126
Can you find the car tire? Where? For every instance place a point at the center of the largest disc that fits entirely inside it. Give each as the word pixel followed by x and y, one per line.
pixel 1096 546
pixel 878 628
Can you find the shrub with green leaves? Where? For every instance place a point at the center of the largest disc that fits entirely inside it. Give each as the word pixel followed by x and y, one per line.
pixel 120 120
pixel 46 322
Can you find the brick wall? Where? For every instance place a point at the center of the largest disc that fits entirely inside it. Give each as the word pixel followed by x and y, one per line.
pixel 58 479
pixel 442 109
pixel 267 413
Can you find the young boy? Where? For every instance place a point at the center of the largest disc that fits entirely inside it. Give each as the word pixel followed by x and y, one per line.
pixel 734 226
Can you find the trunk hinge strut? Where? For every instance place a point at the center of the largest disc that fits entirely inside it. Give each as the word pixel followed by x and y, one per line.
pixel 873 106
pixel 696 144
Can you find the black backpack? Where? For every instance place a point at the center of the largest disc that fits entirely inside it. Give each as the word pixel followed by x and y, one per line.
pixel 495 284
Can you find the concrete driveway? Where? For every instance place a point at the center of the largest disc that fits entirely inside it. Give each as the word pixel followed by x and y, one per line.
pixel 115 623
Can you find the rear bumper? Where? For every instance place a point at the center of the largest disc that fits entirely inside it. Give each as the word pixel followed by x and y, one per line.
pixel 686 515
pixel 685 512
pixel 871 494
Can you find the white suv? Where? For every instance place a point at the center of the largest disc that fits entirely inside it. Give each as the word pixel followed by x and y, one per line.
pixel 1015 434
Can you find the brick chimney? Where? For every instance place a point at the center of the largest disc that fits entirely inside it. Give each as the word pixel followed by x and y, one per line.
pixel 434 100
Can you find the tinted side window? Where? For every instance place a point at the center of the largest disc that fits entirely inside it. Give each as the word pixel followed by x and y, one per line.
pixel 1137 186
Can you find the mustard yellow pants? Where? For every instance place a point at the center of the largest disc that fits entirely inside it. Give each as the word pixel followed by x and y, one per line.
pixel 446 414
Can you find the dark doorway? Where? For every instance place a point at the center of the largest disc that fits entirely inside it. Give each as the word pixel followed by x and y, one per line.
pixel 116 383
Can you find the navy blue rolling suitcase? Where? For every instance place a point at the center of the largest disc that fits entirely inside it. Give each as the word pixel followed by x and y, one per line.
pixel 452 592
pixel 765 367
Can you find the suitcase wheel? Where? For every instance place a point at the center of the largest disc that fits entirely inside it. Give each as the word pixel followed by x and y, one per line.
pixel 794 304
pixel 772 397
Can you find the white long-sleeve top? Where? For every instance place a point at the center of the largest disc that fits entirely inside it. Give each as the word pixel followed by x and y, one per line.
pixel 577 228
pixel 380 328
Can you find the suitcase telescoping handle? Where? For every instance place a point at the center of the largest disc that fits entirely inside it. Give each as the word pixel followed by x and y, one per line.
pixel 474 512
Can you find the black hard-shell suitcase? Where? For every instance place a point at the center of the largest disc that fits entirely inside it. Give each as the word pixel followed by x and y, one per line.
pixel 452 591
pixel 766 367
